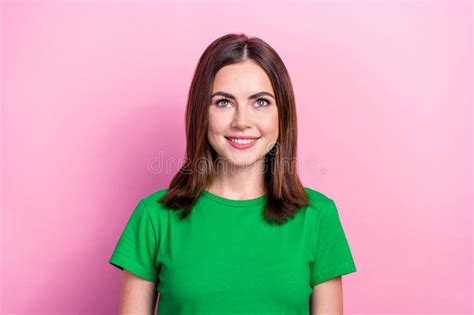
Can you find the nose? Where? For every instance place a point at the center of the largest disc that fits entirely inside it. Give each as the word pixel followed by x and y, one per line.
pixel 241 119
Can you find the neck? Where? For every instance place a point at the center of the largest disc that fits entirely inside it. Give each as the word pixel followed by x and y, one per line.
pixel 239 181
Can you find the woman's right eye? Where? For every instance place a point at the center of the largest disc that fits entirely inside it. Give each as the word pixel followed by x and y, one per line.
pixel 222 102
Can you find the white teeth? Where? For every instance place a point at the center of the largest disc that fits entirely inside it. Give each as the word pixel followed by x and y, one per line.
pixel 242 141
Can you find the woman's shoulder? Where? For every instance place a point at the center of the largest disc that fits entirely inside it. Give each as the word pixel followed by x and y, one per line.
pixel 319 201
pixel 316 195
pixel 151 200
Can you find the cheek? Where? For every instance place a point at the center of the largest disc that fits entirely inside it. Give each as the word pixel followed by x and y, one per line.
pixel 220 118
pixel 269 124
pixel 213 123
pixel 216 124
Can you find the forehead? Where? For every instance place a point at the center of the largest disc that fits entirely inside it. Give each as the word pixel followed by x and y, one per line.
pixel 244 78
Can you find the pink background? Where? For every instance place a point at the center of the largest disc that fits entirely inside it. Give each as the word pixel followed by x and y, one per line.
pixel 93 100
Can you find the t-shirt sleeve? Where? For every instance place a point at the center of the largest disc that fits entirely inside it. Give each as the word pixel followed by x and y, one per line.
pixel 332 255
pixel 136 248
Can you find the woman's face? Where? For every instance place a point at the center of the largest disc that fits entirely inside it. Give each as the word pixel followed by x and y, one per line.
pixel 242 105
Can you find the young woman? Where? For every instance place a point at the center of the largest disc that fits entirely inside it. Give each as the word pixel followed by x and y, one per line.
pixel 236 232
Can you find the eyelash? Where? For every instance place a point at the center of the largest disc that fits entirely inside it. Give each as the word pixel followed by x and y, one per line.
pixel 258 99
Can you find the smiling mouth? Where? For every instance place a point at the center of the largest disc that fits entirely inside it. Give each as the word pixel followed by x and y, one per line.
pixel 242 143
pixel 242 139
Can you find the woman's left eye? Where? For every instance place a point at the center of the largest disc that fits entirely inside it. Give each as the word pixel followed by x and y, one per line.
pixel 267 102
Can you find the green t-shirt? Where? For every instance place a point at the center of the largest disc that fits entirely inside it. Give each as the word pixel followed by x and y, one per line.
pixel 225 259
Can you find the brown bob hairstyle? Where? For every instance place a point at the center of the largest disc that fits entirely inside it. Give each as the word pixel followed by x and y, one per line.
pixel 285 193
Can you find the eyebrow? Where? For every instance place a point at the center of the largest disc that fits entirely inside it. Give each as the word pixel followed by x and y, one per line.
pixel 256 95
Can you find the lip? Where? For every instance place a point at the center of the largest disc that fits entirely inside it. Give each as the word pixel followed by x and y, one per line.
pixel 242 146
pixel 242 137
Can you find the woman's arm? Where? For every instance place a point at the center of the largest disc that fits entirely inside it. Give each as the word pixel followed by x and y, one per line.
pixel 138 295
pixel 327 298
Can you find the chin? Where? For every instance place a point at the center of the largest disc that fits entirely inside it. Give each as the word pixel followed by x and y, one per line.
pixel 237 159
pixel 243 162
